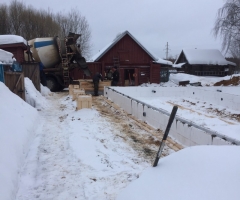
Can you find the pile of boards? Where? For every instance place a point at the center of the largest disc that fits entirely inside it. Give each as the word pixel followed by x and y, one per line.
pixel 83 100
pixel 87 84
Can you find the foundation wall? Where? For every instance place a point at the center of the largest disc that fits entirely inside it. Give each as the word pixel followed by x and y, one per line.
pixel 185 132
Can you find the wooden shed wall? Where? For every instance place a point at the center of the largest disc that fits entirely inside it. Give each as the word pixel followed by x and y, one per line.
pixel 31 70
pixel 155 73
pixel 15 82
pixel 16 49
pixel 143 75
pixel 128 52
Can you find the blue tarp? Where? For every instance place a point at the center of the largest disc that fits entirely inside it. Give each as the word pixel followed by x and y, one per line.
pixel 1 73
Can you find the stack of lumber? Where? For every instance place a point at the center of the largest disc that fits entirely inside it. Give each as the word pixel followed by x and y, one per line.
pixel 87 84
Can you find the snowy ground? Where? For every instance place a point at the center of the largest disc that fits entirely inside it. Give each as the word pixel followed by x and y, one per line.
pixel 76 155
pixel 96 153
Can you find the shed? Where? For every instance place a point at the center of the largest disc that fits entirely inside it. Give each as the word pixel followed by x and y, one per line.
pixel 13 80
pixel 135 63
pixel 204 62
pixel 14 44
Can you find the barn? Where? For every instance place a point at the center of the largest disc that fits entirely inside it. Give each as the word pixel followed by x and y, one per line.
pixel 135 63
pixel 204 62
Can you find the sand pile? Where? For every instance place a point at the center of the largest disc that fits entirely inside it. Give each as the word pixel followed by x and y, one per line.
pixel 235 80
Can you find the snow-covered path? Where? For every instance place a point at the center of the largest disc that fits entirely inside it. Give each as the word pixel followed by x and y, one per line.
pixel 51 170
pixel 77 155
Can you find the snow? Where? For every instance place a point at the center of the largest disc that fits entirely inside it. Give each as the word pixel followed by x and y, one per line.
pixel 34 97
pixel 45 91
pixel 202 172
pixel 179 65
pixel 162 61
pixel 53 151
pixel 12 39
pixel 17 122
pixel 76 155
pixel 205 56
pixel 205 80
pixel 6 57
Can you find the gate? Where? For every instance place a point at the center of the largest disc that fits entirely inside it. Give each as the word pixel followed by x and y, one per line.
pixel 15 82
pixel 31 70
pixel 164 75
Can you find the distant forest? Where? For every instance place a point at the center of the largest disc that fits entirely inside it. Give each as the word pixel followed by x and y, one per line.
pixel 19 19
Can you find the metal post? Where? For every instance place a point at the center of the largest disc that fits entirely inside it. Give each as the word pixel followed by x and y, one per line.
pixel 172 116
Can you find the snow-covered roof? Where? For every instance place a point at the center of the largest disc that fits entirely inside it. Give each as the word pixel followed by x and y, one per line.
pixel 6 57
pixel 179 65
pixel 204 56
pixel 110 45
pixel 12 39
pixel 162 61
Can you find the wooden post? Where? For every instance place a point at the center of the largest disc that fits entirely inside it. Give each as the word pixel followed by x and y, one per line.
pixel 151 72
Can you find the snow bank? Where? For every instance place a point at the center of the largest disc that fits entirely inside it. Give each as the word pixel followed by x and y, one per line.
pixel 45 91
pixel 203 172
pixel 12 39
pixel 34 97
pixel 6 57
pixel 17 121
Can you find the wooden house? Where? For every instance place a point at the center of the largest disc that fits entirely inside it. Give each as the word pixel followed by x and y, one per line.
pixel 136 65
pixel 204 62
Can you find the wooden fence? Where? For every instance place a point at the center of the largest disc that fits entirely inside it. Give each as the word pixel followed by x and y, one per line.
pixel 31 70
pixel 15 82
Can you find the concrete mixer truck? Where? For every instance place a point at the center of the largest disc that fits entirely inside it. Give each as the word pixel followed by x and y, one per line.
pixel 58 57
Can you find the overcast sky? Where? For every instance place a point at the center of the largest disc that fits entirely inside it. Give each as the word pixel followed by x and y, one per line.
pixel 181 23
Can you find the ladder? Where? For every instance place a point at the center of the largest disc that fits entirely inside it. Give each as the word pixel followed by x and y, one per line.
pixel 116 62
pixel 66 60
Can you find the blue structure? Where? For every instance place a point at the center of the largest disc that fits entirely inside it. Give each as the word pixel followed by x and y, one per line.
pixel 1 73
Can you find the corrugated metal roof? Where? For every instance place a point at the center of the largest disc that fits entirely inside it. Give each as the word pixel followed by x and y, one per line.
pixel 102 52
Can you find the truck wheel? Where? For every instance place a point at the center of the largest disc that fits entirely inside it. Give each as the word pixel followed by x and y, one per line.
pixel 52 84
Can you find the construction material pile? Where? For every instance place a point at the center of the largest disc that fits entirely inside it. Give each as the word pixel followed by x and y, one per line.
pixel 234 81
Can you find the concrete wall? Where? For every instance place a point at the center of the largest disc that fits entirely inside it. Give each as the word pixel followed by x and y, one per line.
pixel 187 133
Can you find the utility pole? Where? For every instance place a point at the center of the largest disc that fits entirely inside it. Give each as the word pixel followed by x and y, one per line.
pixel 167 50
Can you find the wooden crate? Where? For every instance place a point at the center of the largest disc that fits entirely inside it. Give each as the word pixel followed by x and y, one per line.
pixel 77 92
pixel 84 101
pixel 15 82
pixel 70 88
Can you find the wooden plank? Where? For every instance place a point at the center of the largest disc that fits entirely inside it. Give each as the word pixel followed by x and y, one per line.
pixel 15 82
pixel 15 86
pixel 87 84
pixel 31 70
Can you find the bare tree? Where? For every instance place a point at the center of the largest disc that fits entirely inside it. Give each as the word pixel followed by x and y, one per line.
pixel 73 21
pixel 227 25
pixel 16 10
pixel 4 24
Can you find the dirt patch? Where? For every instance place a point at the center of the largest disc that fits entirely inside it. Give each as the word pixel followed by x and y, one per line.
pixel 233 81
pixel 220 114
pixel 137 134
